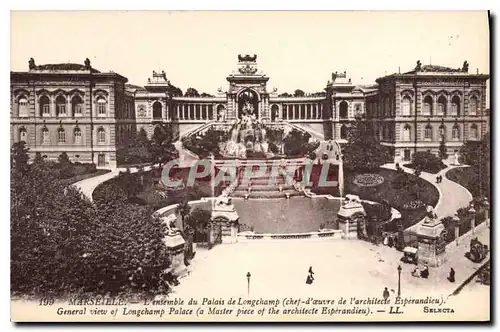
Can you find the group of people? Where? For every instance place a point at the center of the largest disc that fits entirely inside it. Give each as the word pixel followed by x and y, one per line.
pixel 439 179
pixel 424 273
pixel 390 240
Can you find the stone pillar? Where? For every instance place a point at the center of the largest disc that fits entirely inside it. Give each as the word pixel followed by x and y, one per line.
pixel 53 106
pixel 68 106
pixel 431 241
pixel 178 112
pixel 351 212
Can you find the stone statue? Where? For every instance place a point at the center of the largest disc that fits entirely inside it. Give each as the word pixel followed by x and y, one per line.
pixel 431 215
pixel 87 63
pixel 31 64
pixel 465 67
pixel 419 66
pixel 248 108
pixel 457 161
pixel 223 199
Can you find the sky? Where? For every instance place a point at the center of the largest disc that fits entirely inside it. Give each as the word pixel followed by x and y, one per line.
pixel 297 50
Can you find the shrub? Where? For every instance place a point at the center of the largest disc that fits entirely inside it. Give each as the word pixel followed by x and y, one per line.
pixel 427 162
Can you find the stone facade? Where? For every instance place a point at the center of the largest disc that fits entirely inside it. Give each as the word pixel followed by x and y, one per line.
pixel 409 112
pixel 71 108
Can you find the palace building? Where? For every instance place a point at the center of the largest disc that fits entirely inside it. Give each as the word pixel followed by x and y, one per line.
pixel 89 114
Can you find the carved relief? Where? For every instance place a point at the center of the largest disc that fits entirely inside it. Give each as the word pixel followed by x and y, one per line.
pixel 141 111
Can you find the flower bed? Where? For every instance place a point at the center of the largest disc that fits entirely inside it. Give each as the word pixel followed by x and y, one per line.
pixel 368 180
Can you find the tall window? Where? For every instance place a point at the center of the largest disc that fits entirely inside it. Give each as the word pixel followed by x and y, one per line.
pixel 61 136
pixel 442 131
pixel 77 105
pixel 157 110
pixel 455 106
pixel 77 136
pixel 44 104
pixel 455 132
pixel 343 110
pixel 473 105
pixel 45 136
pixel 343 132
pixel 427 106
pixel 23 135
pixel 428 132
pixel 406 133
pixel 473 131
pixel 406 106
pixel 441 106
pixel 60 106
pixel 101 106
pixel 101 136
pixel 23 106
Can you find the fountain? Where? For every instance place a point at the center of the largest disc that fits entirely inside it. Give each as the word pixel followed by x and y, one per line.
pixel 247 136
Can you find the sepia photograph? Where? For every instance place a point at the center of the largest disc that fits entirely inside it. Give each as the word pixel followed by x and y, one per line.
pixel 250 166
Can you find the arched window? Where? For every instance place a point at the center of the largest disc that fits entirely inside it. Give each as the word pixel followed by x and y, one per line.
pixel 77 136
pixel 455 106
pixel 441 106
pixel 406 133
pixel 427 106
pixel 101 136
pixel 61 136
pixel 61 106
pixel 23 135
pixel 343 110
pixel 44 104
pixel 442 132
pixel 428 132
pixel 455 132
pixel 221 112
pixel 45 136
pixel 274 112
pixel 406 106
pixel 157 110
pixel 77 106
pixel 23 106
pixel 343 132
pixel 473 105
pixel 473 131
pixel 101 106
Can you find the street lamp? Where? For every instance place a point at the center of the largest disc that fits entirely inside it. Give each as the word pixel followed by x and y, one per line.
pixel 399 281
pixel 456 222
pixel 472 212
pixel 248 285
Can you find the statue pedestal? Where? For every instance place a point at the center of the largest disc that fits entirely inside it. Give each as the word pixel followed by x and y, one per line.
pixel 175 246
pixel 225 213
pixel 431 242
pixel 350 214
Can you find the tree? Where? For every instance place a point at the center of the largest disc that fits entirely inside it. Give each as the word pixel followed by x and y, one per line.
pixel 137 151
pixel 174 91
pixel 204 94
pixel 285 94
pixel 477 155
pixel 191 92
pixel 298 93
pixel 63 159
pixel 19 156
pixel 363 151
pixel 162 148
pixel 427 161
pixel 183 208
pixel 442 149
pixel 38 158
pixel 195 229
pixel 296 143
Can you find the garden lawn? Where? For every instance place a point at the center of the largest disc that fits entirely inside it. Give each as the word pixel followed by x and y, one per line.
pixel 468 178
pixel 396 198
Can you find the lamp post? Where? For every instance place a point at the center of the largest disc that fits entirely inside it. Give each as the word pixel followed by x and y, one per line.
pixel 486 212
pixel 472 212
pixel 248 283
pixel 399 281
pixel 456 222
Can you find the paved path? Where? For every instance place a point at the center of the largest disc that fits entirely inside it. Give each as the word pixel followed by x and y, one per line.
pixel 452 196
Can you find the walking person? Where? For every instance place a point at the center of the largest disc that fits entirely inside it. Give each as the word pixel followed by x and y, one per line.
pixel 310 277
pixel 451 277
pixel 386 293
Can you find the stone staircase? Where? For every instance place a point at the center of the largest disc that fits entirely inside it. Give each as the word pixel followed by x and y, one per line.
pixel 265 187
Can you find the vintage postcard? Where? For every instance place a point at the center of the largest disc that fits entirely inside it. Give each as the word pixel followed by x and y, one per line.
pixel 250 166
